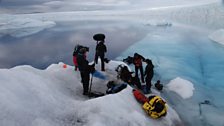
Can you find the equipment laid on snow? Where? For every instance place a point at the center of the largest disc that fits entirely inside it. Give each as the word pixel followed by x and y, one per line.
pixel 123 73
pixel 158 85
pixel 128 60
pixel 154 106
pixel 106 60
pixel 99 75
pixel 115 88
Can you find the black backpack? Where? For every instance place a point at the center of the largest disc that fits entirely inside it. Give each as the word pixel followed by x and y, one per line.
pixel 76 49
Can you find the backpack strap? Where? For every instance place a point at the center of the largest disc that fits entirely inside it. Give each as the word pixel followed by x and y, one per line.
pixel 149 107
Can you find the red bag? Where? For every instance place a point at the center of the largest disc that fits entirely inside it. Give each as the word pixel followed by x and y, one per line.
pixel 140 97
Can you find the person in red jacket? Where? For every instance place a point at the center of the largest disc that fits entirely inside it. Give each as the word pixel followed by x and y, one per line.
pixel 137 60
pixel 75 53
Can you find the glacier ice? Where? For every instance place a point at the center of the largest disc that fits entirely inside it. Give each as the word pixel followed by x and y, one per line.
pixel 20 27
pixel 53 97
pixel 190 55
pixel 182 87
pixel 211 16
pixel 218 36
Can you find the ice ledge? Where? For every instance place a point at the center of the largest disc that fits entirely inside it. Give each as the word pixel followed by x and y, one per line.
pixel 182 87
pixel 217 36
pixel 20 27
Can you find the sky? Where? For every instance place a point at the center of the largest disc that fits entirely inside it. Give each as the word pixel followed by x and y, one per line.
pixel 37 6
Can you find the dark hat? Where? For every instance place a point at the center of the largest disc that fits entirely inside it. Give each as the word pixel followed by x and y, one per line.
pixel 99 37
pixel 83 50
pixel 148 61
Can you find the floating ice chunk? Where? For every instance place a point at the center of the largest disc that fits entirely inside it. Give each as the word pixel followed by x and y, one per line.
pixel 218 36
pixel 158 23
pixel 54 3
pixel 23 26
pixel 182 87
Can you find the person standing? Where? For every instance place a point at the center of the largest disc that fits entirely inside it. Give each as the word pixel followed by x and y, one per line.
pixel 85 69
pixel 149 73
pixel 137 60
pixel 75 53
pixel 101 49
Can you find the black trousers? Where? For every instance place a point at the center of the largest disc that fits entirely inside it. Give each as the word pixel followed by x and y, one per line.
pixel 85 76
pixel 141 72
pixel 148 80
pixel 102 56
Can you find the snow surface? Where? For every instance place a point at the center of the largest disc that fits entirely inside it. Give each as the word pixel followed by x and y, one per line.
pixel 53 97
pixel 182 87
pixel 218 36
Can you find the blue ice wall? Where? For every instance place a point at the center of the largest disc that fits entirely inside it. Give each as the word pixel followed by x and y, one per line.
pixel 187 53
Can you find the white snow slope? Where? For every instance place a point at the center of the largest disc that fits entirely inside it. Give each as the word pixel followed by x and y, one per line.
pixel 53 97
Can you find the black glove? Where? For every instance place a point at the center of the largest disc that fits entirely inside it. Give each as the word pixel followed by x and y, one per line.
pixel 92 68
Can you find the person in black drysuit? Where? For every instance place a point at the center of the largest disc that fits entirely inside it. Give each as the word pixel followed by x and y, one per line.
pixel 85 70
pixel 148 73
pixel 101 49
pixel 137 60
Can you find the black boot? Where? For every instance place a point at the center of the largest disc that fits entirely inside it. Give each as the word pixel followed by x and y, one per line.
pixel 85 93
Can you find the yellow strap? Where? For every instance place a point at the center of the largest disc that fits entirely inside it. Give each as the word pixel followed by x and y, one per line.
pixel 153 101
pixel 156 115
pixel 148 106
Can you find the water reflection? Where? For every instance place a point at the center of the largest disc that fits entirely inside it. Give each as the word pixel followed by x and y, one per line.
pixel 56 44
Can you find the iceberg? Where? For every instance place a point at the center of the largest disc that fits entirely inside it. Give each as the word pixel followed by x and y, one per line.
pixel 218 36
pixel 158 23
pixel 20 27
pixel 182 87
pixel 53 97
